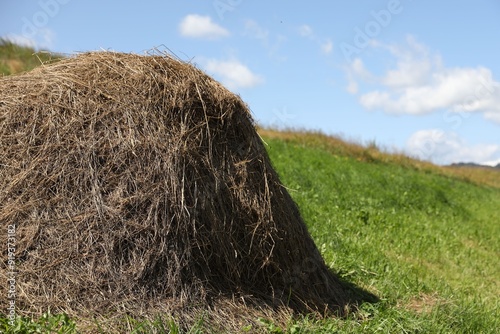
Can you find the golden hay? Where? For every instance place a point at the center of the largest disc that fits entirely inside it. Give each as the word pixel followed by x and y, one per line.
pixel 139 185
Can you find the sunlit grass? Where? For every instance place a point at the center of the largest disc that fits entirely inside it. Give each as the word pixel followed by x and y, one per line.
pixel 373 153
pixel 425 243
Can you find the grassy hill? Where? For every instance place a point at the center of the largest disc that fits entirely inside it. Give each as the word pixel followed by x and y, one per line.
pixel 424 239
pixel 426 243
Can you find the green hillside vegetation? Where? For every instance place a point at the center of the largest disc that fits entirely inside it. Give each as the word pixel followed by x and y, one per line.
pixel 426 244
pixel 424 239
pixel 373 154
pixel 16 59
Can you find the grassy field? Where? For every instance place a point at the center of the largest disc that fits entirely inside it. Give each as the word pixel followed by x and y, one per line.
pixel 426 244
pixel 424 239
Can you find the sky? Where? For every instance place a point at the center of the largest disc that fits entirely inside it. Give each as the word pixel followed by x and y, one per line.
pixel 414 76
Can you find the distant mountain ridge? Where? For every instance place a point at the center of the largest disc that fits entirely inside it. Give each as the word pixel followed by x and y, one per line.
pixel 473 164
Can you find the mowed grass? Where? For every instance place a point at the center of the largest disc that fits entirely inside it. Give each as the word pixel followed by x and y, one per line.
pixel 426 244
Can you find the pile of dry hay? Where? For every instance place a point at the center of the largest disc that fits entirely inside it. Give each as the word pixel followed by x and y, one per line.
pixel 138 184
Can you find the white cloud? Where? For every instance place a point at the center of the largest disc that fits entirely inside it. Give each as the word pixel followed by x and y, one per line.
pixel 233 74
pixel 492 116
pixel 420 84
pixel 20 40
pixel 43 38
pixel 352 87
pixel 327 46
pixel 414 65
pixel 198 26
pixel 492 163
pixel 254 30
pixel 358 69
pixel 443 147
pixel 446 89
pixel 306 31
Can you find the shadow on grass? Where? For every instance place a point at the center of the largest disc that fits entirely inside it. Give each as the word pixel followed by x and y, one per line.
pixel 355 294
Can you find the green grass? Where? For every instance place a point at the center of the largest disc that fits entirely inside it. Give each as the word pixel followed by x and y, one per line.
pixel 47 323
pixel 427 245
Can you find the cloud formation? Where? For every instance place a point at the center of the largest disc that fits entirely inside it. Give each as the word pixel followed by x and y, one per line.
pixel 42 38
pixel 233 73
pixel 443 147
pixel 306 31
pixel 327 46
pixel 419 84
pixel 254 30
pixel 198 26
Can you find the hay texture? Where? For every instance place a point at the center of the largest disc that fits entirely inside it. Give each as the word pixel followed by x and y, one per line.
pixel 138 183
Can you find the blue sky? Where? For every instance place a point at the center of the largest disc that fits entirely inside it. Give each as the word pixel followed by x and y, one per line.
pixel 422 77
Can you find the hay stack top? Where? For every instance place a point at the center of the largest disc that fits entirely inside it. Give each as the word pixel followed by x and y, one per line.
pixel 114 79
pixel 140 181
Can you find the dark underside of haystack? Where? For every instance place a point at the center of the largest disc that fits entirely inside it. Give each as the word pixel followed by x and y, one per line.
pixel 138 183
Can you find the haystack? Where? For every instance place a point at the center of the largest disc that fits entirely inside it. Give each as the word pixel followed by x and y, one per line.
pixel 139 184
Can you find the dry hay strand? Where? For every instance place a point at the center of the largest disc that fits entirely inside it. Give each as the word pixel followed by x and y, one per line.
pixel 139 184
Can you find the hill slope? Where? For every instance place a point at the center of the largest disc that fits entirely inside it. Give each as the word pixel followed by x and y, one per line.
pixel 372 154
pixel 427 244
